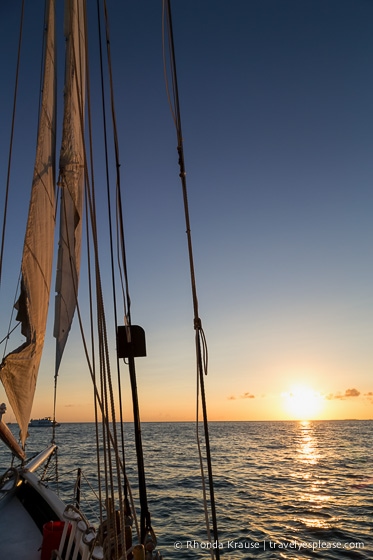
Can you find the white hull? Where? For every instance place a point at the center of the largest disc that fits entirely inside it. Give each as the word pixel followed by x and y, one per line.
pixel 25 508
pixel 42 424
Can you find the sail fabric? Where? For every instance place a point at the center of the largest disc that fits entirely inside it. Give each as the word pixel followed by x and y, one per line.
pixel 71 178
pixel 19 369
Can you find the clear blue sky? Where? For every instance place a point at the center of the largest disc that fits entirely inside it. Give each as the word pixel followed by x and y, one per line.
pixel 276 103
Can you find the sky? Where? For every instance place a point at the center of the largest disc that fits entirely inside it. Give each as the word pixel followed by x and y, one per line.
pixel 276 108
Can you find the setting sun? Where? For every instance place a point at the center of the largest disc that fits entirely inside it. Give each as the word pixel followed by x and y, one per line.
pixel 303 403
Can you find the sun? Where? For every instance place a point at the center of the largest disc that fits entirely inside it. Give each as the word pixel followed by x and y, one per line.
pixel 303 403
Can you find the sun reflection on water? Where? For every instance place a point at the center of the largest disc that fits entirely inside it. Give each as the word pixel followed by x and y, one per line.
pixel 314 495
pixel 307 449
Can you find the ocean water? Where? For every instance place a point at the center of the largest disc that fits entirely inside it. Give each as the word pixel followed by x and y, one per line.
pixel 284 490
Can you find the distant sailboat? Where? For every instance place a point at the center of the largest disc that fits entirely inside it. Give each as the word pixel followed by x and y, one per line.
pixel 27 507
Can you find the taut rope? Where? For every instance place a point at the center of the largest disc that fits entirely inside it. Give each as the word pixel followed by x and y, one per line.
pixel 201 348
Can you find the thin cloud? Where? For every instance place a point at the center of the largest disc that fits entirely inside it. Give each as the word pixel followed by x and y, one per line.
pixel 246 395
pixel 352 393
pixel 342 396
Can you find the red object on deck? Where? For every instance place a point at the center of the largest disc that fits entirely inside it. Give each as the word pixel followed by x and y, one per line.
pixel 52 533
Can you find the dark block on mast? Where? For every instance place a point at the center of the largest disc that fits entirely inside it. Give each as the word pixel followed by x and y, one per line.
pixel 131 342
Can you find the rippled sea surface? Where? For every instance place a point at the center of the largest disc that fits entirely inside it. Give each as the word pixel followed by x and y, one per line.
pixel 293 490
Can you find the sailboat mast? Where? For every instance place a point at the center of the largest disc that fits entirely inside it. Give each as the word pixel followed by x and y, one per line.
pixel 144 512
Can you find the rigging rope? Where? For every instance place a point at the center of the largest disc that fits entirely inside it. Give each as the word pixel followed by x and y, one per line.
pixel 145 523
pixel 9 333
pixel 201 348
pixel 105 134
pixel 11 139
pixel 109 433
pixel 103 387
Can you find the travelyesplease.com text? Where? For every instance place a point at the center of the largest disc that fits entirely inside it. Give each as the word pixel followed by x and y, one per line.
pixel 268 545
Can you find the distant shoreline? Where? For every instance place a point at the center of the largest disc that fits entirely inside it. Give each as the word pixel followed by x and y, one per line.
pixel 224 421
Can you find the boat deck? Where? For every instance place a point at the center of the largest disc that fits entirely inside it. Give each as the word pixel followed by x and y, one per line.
pixel 20 538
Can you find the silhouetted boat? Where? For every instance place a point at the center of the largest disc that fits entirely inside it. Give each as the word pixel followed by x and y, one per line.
pixel 45 422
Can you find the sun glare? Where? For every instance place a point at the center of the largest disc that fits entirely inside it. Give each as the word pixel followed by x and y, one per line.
pixel 303 403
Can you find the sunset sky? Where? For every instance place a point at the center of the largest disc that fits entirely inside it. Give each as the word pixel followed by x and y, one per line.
pixel 277 113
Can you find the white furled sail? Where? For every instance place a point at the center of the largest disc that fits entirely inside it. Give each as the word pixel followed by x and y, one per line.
pixel 19 369
pixel 71 178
